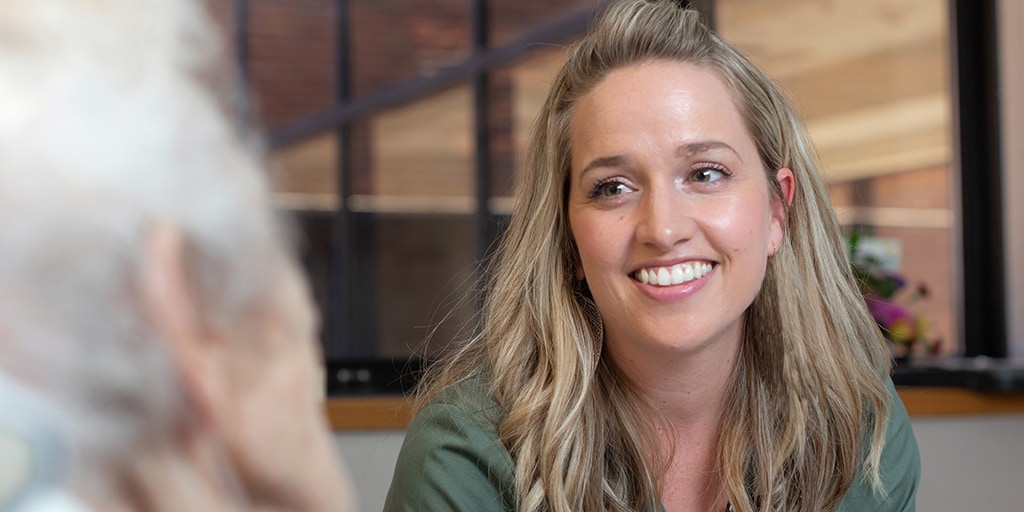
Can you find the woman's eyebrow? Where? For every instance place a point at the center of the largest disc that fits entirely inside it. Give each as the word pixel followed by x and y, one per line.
pixel 694 148
pixel 603 161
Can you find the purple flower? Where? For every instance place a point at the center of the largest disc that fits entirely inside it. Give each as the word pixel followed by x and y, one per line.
pixel 885 312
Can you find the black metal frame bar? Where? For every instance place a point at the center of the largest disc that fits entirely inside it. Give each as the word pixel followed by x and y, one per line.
pixel 337 341
pixel 482 129
pixel 241 37
pixel 974 30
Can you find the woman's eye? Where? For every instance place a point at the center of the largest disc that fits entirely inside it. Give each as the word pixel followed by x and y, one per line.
pixel 609 189
pixel 707 175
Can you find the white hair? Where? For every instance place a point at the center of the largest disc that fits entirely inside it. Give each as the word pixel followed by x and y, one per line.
pixel 109 123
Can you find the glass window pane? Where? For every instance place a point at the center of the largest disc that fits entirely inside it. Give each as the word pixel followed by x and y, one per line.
pixel 513 19
pixel 1011 78
pixel 394 41
pixel 291 59
pixel 418 157
pixel 414 239
pixel 522 88
pixel 304 174
pixel 502 123
pixel 411 273
pixel 872 81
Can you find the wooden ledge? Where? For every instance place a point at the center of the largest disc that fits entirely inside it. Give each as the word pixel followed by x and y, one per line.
pixel 928 401
pixel 369 413
pixel 395 412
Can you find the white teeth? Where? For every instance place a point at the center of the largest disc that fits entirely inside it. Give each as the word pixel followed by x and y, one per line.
pixel 679 275
pixel 664 278
pixel 676 274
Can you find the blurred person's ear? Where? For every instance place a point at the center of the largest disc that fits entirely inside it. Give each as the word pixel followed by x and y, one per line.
pixel 173 306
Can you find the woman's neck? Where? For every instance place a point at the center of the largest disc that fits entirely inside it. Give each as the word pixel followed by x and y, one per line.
pixel 692 481
pixel 688 389
pixel 689 392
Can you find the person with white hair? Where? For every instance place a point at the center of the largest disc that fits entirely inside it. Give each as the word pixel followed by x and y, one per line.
pixel 152 312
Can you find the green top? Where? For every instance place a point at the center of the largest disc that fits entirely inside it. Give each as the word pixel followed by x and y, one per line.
pixel 452 460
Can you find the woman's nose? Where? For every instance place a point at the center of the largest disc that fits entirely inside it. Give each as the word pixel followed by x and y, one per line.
pixel 665 218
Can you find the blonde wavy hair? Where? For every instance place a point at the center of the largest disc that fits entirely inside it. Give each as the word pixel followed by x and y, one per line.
pixel 809 388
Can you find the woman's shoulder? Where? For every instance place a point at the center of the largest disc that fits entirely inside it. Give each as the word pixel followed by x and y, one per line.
pixel 900 467
pixel 470 398
pixel 452 454
pixel 467 404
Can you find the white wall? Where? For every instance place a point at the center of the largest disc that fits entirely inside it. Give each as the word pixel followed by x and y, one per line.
pixel 968 463
pixel 370 457
pixel 971 463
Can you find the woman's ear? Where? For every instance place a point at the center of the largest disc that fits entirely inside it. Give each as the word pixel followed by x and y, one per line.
pixel 172 305
pixel 787 185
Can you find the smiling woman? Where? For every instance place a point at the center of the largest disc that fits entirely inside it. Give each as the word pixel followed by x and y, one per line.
pixel 670 321
pixel 677 205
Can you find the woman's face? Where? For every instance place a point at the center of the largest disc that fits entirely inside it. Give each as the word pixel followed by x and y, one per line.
pixel 670 209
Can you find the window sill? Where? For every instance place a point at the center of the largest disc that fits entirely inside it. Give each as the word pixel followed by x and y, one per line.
pixel 953 401
pixel 928 389
pixel 979 374
pixel 395 412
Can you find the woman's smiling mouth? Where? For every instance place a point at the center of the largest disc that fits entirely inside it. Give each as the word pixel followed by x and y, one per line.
pixel 674 275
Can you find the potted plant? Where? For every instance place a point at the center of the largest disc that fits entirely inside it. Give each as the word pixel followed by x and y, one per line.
pixel 907 331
